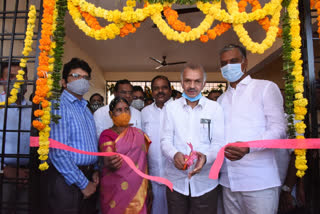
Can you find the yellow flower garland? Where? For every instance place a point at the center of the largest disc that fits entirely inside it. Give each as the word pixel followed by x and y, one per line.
pixel 300 103
pixel 26 51
pixel 243 35
pixel 45 116
pixel 211 10
pixel 108 32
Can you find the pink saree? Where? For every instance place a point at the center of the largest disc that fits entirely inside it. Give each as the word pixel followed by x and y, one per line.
pixel 123 191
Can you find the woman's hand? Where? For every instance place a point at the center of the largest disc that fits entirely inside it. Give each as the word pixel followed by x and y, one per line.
pixel 113 162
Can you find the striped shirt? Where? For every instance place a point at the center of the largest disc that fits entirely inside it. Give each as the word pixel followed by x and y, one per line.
pixel 76 128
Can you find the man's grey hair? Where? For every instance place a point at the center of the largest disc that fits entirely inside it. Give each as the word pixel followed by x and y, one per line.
pixel 194 67
pixel 230 47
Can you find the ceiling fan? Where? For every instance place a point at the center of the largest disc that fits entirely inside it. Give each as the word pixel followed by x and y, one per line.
pixel 164 63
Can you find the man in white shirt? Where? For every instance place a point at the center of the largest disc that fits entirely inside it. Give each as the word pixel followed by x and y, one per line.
pixel 253 111
pixel 197 120
pixel 152 120
pixel 123 88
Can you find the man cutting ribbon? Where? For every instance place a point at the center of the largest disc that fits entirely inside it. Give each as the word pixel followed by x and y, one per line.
pixel 192 118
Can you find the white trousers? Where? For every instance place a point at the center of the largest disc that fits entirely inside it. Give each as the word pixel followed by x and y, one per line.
pixel 251 202
pixel 159 203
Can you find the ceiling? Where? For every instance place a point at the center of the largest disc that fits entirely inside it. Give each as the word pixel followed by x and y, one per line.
pixel 131 53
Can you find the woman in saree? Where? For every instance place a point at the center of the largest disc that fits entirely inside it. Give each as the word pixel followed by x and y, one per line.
pixel 121 189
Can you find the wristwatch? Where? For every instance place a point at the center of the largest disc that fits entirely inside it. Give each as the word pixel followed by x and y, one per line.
pixel 285 188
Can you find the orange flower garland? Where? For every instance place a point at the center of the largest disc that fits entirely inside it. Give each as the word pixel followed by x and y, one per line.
pixel 42 88
pixel 255 4
pixel 172 18
pixel 223 27
pixel 218 30
pixel 312 3
pixel 94 24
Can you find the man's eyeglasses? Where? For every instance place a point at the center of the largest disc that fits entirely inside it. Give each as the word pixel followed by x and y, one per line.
pixel 78 76
pixel 126 92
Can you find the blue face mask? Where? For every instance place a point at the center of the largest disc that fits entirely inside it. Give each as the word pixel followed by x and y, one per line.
pixel 232 72
pixel 192 99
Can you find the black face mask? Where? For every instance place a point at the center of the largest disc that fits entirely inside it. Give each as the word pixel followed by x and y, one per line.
pixel 95 106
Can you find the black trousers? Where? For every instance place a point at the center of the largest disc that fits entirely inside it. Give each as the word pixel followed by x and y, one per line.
pixel 182 204
pixel 60 198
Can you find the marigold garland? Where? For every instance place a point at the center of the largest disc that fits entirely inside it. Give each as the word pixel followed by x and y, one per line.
pixel 172 18
pixel 299 103
pixel 26 51
pixel 175 29
pixel 44 82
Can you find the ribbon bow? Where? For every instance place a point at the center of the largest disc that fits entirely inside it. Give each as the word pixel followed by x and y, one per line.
pixel 190 158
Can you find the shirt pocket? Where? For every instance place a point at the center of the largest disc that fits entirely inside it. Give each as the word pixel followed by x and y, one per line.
pixel 204 133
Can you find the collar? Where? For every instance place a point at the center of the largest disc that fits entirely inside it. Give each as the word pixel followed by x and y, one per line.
pixel 201 102
pixel 166 103
pixel 70 98
pixel 246 80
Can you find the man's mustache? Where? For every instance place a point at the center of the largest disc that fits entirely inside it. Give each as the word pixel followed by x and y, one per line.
pixel 161 94
pixel 191 90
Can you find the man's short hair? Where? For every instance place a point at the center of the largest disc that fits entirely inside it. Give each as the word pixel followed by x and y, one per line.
pixel 75 63
pixel 230 47
pixel 194 67
pixel 121 82
pixel 96 94
pixel 160 77
pixel 215 91
pixel 137 88
pixel 175 93
pixel 5 64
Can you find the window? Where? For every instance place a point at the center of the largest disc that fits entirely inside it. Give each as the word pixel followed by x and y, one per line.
pixel 176 85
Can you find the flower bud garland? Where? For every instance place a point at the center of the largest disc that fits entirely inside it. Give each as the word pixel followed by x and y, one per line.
pixel 299 103
pixel 44 81
pixel 32 15
pixel 177 30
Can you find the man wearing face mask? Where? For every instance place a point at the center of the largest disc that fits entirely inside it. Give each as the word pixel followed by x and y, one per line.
pixel 138 98
pixel 96 102
pixel 124 89
pixel 197 120
pixel 253 111
pixel 152 120
pixel 15 117
pixel 72 178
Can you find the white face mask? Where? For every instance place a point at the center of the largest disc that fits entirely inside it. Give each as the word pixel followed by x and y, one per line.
pixel 80 86
pixel 137 104
pixel 232 72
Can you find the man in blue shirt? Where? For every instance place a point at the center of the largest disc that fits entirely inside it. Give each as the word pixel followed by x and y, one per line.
pixel 17 118
pixel 73 178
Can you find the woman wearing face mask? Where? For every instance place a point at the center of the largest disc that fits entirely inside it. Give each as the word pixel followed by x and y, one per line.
pixel 122 190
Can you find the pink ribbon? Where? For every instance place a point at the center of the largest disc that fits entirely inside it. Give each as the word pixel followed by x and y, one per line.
pixel 34 142
pixel 190 158
pixel 310 143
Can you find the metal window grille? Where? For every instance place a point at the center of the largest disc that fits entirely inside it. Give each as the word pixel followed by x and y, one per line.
pixel 309 45
pixel 17 189
pixel 176 85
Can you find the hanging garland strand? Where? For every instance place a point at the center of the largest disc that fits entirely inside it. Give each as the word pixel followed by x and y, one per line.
pixel 287 68
pixel 32 15
pixel 300 102
pixel 58 37
pixel 294 102
pixel 44 82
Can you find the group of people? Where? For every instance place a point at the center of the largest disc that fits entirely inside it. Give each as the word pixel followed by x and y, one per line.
pixel 177 139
